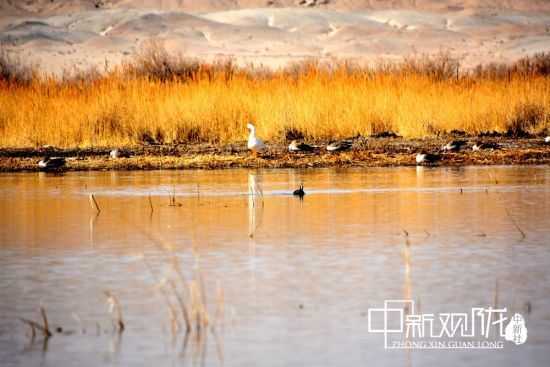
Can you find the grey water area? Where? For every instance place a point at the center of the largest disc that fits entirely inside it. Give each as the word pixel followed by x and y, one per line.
pixel 267 278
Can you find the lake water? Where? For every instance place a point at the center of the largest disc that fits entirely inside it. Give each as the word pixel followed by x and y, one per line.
pixel 285 282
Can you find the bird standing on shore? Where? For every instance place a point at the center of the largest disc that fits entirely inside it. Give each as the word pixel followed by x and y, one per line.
pixel 296 146
pixel 117 153
pixel 51 162
pixel 339 146
pixel 254 144
pixel 484 146
pixel 454 145
pixel 424 157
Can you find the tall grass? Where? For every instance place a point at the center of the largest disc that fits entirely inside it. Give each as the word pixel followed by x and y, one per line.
pixel 168 99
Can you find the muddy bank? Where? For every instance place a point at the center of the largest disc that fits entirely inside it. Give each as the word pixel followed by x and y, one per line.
pixel 366 152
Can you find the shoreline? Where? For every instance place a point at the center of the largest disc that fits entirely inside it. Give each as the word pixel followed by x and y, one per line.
pixel 366 152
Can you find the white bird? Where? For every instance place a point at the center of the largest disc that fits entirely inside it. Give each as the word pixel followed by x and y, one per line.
pixel 547 139
pixel 117 153
pixel 254 144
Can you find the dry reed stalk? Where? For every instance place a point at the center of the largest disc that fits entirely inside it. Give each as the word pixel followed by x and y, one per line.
pixel 79 322
pixel 515 224
pixel 406 258
pixel 44 328
pixel 218 315
pixel 174 321
pixel 114 305
pixel 159 285
pixel 191 296
pixel 93 203
pixel 35 326
pixel 198 310
pixel 527 307
pixel 495 301
pixel 198 195
pixel 201 289
pixel 495 295
pixel 172 199
pixel 184 309
pixel 210 106
pixel 45 321
pixel 183 286
pixel 151 204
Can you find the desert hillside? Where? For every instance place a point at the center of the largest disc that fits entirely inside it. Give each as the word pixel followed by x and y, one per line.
pixel 64 35
pixel 58 6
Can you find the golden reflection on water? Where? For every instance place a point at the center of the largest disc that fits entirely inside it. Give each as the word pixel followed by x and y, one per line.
pixel 301 272
pixel 49 211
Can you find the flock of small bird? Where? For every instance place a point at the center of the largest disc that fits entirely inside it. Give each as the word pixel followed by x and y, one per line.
pixel 455 146
pixel 256 145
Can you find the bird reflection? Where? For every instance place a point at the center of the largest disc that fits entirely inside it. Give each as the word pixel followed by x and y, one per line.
pixel 255 203
pixel 255 212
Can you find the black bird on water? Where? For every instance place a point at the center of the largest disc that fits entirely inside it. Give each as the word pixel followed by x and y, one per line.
pixel 300 192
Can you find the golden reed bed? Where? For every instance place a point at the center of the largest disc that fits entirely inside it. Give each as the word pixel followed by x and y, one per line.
pixel 186 101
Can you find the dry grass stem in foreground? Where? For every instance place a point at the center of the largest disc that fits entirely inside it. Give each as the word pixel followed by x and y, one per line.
pixel 189 295
pixel 515 224
pixel 114 305
pixel 44 328
pixel 94 204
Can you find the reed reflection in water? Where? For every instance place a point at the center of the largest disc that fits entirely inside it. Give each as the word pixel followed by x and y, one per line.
pixel 291 280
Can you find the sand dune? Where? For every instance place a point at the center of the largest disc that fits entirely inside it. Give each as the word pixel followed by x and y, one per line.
pixel 58 35
pixel 49 7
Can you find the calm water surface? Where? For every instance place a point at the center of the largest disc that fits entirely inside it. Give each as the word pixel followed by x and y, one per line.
pixel 286 282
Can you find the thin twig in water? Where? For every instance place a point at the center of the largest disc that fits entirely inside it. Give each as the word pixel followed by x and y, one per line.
pixel 183 307
pixel 495 301
pixel 160 286
pixel 172 198
pixel 45 321
pixel 515 224
pixel 79 322
pixel 407 261
pixel 495 295
pixel 198 195
pixel 93 203
pixel 219 306
pixel 115 305
pixel 151 203
pixel 35 326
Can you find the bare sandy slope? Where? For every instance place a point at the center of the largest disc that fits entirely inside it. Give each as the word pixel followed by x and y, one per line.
pixel 60 35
